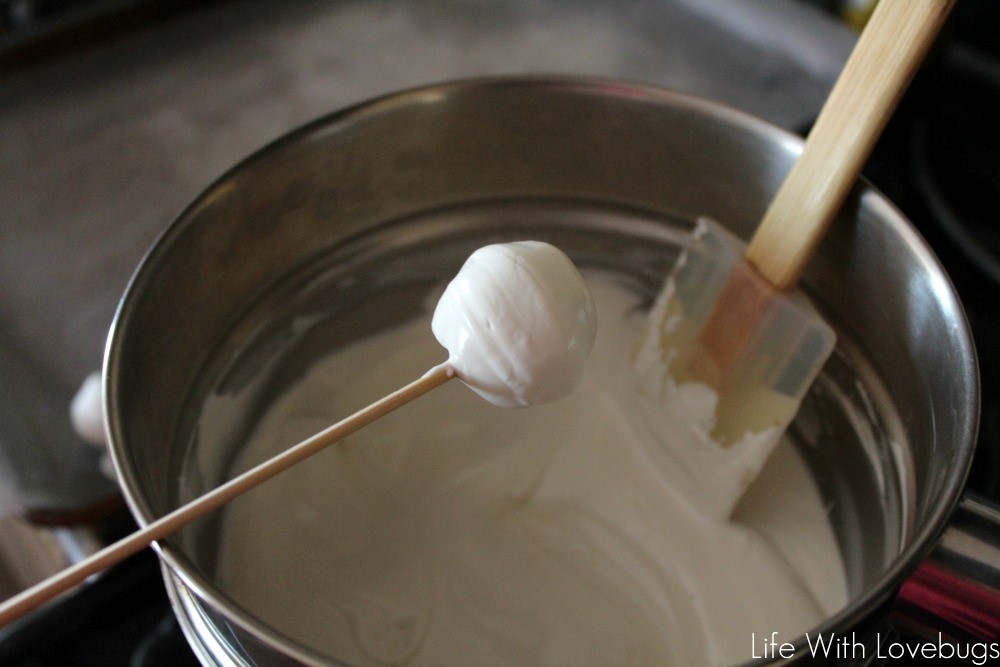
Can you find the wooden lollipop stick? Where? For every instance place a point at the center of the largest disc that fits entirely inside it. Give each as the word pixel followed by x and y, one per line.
pixel 876 74
pixel 24 602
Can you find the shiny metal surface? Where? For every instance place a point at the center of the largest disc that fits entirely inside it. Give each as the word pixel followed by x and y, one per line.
pixel 956 591
pixel 612 172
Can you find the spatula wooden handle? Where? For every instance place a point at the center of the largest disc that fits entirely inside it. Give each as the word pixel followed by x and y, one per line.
pixel 876 74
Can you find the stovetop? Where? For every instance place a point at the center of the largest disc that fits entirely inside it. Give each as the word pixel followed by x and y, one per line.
pixel 123 618
pixel 939 162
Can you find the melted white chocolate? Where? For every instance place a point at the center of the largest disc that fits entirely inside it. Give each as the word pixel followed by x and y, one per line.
pixel 455 533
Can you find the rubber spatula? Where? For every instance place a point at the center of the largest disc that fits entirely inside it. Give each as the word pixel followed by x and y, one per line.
pixel 730 318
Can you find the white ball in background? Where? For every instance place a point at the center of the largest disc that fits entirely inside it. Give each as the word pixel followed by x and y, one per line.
pixel 86 411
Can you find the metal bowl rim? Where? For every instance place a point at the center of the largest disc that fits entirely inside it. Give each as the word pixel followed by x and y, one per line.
pixel 922 541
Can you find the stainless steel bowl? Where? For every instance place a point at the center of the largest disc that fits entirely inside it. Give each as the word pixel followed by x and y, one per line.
pixel 354 219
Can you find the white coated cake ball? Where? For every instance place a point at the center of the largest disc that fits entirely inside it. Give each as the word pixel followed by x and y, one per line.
pixel 518 322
